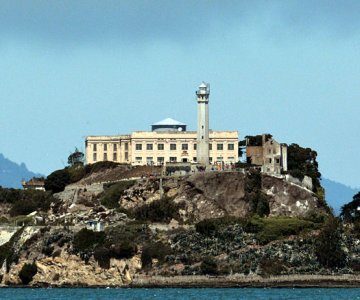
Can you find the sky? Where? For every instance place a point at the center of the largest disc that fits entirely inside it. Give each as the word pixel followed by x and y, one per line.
pixel 69 69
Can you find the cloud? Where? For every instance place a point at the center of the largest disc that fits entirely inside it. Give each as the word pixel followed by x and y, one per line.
pixel 183 21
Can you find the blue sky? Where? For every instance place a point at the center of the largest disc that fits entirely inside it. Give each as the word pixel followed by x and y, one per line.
pixel 74 68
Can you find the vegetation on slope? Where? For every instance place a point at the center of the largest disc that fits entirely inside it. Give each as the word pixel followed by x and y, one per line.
pixel 113 191
pixel 162 210
pixel 265 229
pixel 58 179
pixel 23 202
pixel 27 273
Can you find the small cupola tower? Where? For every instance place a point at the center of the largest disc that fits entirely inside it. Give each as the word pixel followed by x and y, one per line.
pixel 202 151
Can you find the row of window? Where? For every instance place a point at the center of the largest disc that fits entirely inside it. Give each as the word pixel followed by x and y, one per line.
pixel 184 147
pixel 277 160
pixel 114 158
pixel 114 146
pixel 160 159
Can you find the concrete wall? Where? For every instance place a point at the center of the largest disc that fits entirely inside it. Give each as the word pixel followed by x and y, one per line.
pixel 255 153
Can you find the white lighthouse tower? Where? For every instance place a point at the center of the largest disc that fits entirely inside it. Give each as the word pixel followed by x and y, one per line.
pixel 202 151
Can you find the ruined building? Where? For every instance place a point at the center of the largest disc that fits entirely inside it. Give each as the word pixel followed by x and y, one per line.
pixel 264 151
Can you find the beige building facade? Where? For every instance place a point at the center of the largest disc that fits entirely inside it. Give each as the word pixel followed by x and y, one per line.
pixel 161 146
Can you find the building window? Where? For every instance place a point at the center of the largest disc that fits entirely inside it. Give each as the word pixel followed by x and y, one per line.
pixel 126 155
pixel 172 146
pixel 138 158
pixel 94 147
pixel 194 159
pixel 126 146
pixel 195 146
pixel 219 158
pixel 149 146
pixel 270 160
pixel 277 160
pixel 172 159
pixel 105 156
pixel 138 146
pixel 231 147
pixel 114 156
pixel 210 146
pixel 220 147
pixel 160 146
pixel 269 151
pixel 184 147
pixel 105 147
pixel 231 158
pixel 94 157
pixel 149 160
pixel 210 159
pixel 114 147
pixel 160 160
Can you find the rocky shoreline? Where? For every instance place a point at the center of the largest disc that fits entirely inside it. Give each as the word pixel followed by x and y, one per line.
pixel 286 281
pixel 234 281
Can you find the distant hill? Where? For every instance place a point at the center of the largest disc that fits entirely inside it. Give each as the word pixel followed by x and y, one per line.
pixel 12 173
pixel 337 194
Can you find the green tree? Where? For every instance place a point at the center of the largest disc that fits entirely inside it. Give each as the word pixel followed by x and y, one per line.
pixel 27 273
pixel 328 246
pixel 57 181
pixel 350 212
pixel 302 162
pixel 209 266
pixel 76 158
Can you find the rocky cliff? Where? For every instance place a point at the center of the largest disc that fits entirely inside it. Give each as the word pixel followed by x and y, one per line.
pixel 204 223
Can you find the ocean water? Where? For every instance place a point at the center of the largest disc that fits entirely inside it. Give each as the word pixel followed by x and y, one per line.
pixel 176 293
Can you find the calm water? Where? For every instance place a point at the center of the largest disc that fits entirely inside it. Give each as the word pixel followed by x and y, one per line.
pixel 246 293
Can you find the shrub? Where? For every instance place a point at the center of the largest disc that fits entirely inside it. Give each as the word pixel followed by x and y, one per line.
pixel 9 195
pixel 253 181
pixel 349 211
pixel 125 249
pixel 100 166
pixel 162 210
pixel 207 226
pixel 113 192
pixel 271 266
pixel 271 229
pixel 260 204
pixel 210 226
pixel 301 162
pixel 48 250
pixel 57 180
pixel 154 250
pixel 27 273
pixel 328 245
pixel 76 173
pixel 209 266
pixel 30 201
pixel 86 240
pixel 102 256
pixel 24 202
